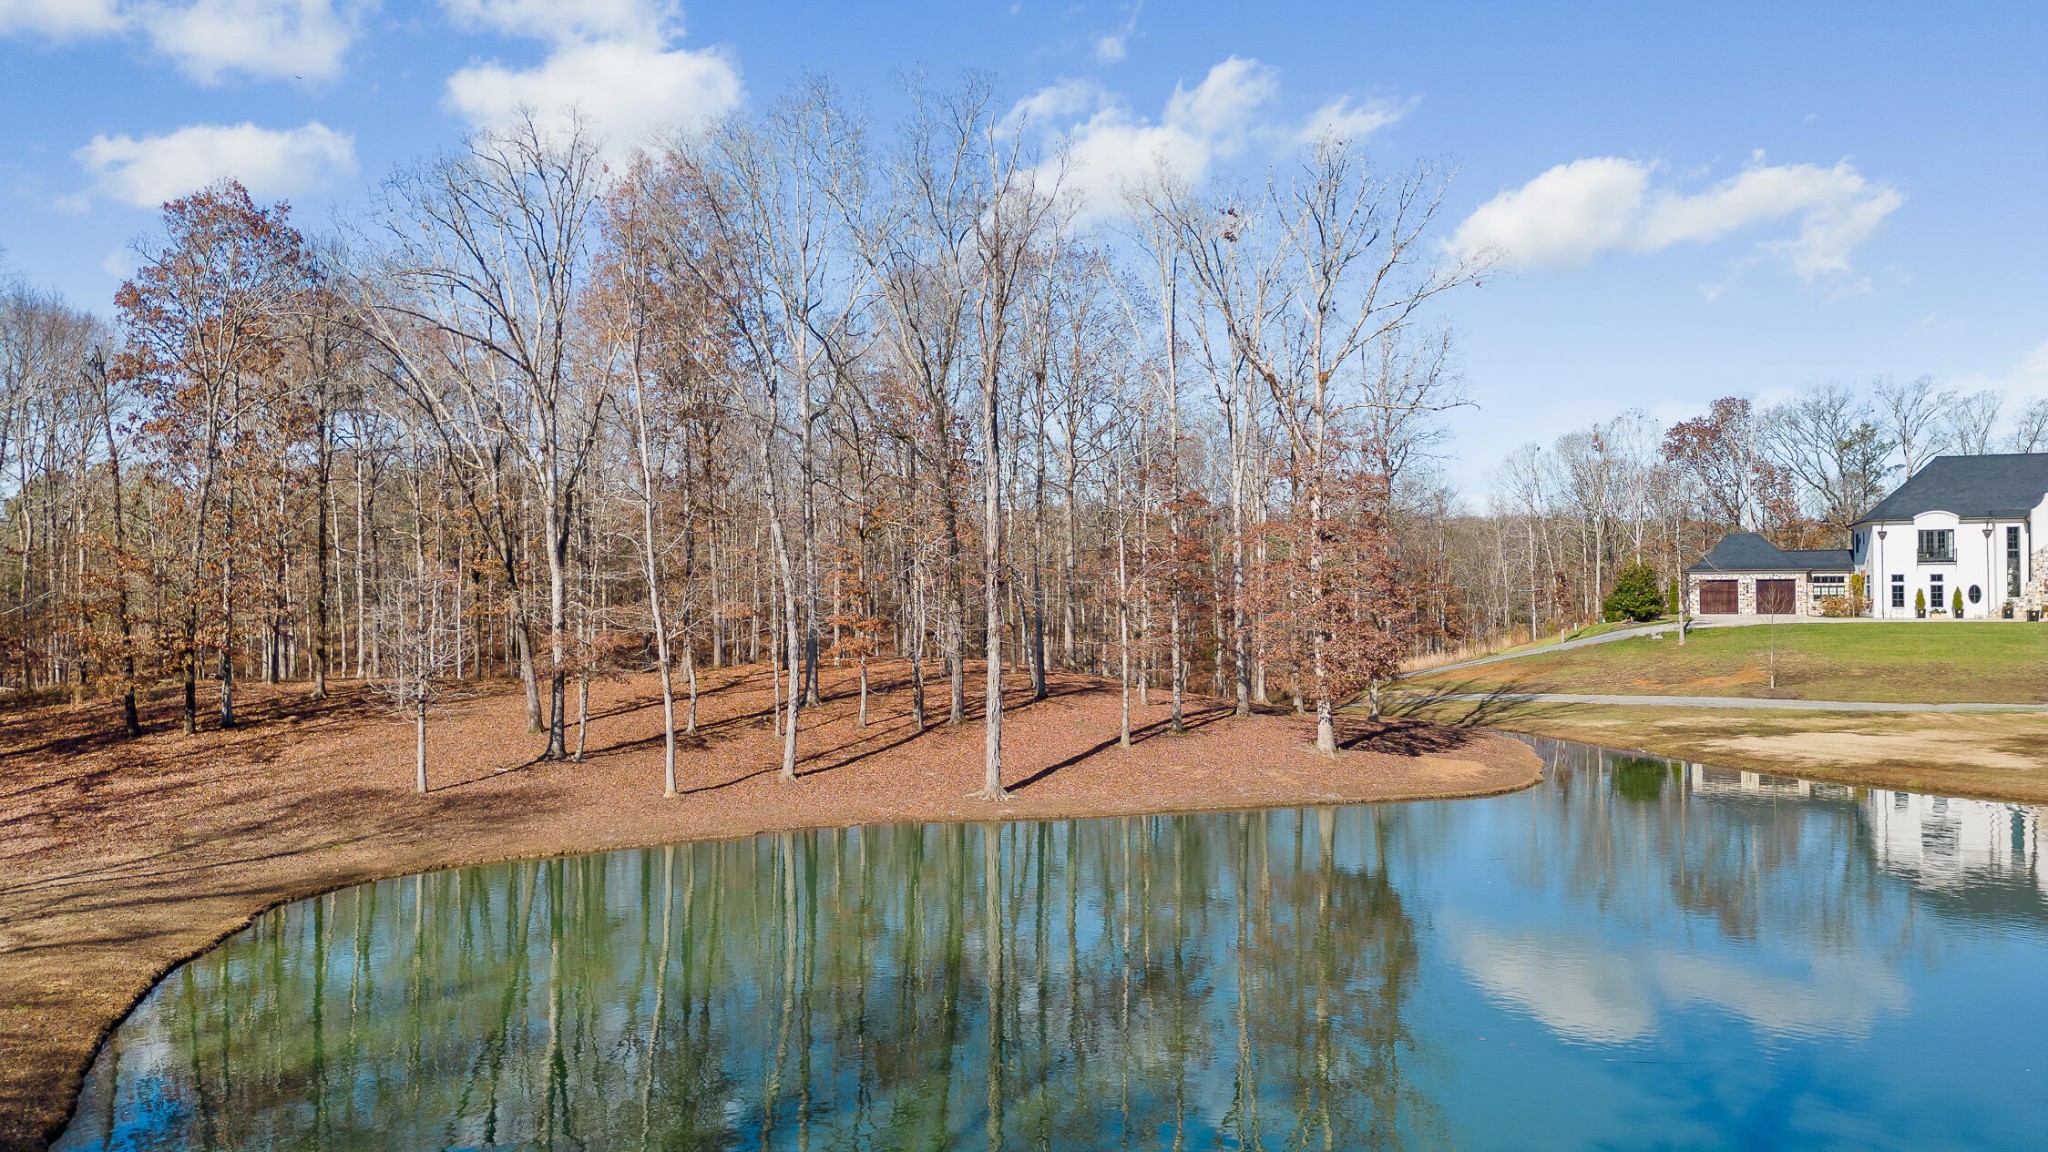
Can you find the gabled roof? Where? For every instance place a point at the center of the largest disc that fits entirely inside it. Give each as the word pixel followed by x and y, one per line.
pixel 2007 484
pixel 1749 552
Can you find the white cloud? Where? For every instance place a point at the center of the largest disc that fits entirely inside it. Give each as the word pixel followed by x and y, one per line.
pixel 2026 379
pixel 563 21
pixel 1111 47
pixel 208 39
pixel 628 90
pixel 1108 147
pixel 120 264
pixel 1351 123
pixel 1576 211
pixel 60 19
pixel 153 169
pixel 276 39
pixel 616 63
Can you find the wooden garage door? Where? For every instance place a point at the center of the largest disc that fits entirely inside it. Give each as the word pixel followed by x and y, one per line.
pixel 1718 598
pixel 1774 597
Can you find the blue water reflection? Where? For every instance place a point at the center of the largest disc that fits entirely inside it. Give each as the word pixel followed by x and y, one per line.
pixel 1636 953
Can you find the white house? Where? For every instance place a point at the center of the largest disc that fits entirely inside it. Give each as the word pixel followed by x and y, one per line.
pixel 1971 524
pixel 1978 524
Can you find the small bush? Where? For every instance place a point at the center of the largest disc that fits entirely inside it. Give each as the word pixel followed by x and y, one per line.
pixel 1958 613
pixel 1636 595
pixel 1920 601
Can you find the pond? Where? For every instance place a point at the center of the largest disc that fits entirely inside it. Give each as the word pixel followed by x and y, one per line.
pixel 1636 953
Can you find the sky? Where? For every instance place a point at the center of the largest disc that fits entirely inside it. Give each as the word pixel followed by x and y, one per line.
pixel 1686 201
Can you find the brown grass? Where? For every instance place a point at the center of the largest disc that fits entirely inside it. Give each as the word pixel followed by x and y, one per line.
pixel 121 859
pixel 1974 661
pixel 1986 755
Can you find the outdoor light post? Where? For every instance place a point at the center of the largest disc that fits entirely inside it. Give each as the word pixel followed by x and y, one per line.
pixel 1988 530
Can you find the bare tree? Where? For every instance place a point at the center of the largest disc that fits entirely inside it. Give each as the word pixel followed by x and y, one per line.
pixel 2030 428
pixel 1970 422
pixel 484 251
pixel 1911 415
pixel 1829 440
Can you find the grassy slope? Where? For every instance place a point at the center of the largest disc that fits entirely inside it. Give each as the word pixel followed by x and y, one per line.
pixel 1941 662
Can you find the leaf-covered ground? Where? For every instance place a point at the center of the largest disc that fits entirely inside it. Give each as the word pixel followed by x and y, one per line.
pixel 123 858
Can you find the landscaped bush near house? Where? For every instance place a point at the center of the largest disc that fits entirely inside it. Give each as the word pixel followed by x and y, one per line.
pixel 1636 595
pixel 1958 604
pixel 1837 606
pixel 1919 602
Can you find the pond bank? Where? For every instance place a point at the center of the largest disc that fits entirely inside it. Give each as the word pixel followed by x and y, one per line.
pixel 1980 755
pixel 123 859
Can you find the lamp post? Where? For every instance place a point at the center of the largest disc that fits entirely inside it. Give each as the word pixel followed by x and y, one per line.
pixel 1878 577
pixel 1988 530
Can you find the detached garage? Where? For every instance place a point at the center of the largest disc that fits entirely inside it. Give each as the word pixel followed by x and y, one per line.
pixel 1747 575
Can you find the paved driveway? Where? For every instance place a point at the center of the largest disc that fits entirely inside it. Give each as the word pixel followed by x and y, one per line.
pixel 1713 702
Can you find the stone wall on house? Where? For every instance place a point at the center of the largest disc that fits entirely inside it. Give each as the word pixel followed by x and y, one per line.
pixel 2035 595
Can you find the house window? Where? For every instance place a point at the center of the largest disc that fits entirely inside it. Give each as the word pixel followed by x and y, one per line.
pixel 1937 545
pixel 2012 562
pixel 1823 587
pixel 1934 601
pixel 1898 591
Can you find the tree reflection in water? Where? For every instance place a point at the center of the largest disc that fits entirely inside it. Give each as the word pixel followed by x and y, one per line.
pixel 1166 981
pixel 1635 952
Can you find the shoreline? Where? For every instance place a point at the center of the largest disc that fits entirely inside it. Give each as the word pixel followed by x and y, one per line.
pixel 149 854
pixel 1999 756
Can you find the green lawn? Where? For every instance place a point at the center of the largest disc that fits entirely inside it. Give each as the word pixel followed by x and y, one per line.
pixel 1935 662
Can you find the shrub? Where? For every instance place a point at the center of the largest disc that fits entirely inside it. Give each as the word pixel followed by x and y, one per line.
pixel 1636 595
pixel 1958 613
pixel 1859 595
pixel 1920 601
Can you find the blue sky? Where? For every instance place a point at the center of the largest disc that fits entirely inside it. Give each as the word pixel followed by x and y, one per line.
pixel 1694 201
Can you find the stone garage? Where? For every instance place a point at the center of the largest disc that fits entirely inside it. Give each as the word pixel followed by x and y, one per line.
pixel 1747 575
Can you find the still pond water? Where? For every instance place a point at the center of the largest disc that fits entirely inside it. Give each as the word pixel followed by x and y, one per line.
pixel 1634 954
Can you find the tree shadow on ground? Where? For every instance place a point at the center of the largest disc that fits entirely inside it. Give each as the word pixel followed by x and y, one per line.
pixel 1469 703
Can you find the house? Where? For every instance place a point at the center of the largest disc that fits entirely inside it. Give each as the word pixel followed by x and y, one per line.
pixel 1978 524
pixel 1747 575
pixel 1975 523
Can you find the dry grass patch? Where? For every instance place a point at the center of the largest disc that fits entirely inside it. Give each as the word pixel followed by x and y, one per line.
pixel 1992 755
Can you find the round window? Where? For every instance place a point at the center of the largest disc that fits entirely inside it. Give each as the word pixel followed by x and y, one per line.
pixel 1976 594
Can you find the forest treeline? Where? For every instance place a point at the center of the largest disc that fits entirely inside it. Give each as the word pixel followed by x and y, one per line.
pixel 794 391
pixel 800 391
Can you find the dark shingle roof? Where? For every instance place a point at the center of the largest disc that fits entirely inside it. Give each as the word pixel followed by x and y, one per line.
pixel 1749 552
pixel 2008 484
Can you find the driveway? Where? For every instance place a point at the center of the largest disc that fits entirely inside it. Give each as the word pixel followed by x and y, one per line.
pixel 1547 649
pixel 1711 702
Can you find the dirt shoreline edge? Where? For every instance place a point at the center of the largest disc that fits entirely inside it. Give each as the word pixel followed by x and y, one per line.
pixel 2000 757
pixel 71 936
